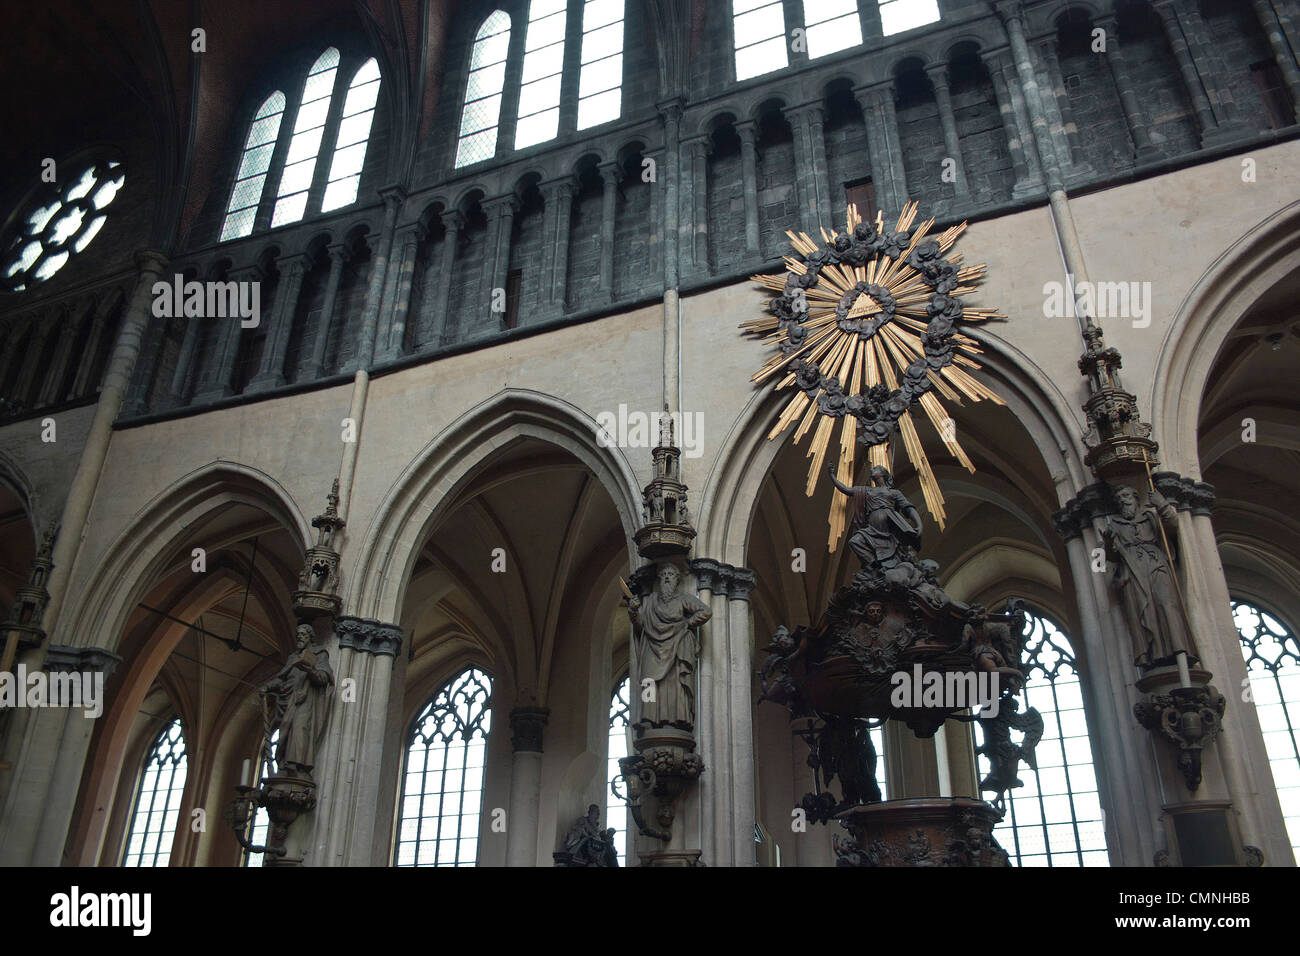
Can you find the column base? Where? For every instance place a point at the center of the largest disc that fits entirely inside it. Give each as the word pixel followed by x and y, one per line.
pixel 1225 134
pixel 1025 188
pixel 212 395
pixel 266 381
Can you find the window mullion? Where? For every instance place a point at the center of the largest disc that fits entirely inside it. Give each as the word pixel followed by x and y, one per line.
pixel 510 88
pixel 329 140
pixel 572 68
pixel 275 172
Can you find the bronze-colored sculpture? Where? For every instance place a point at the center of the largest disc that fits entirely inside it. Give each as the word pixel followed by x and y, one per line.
pixel 586 844
pixel 1145 578
pixel 297 702
pixel 664 626
pixel 886 526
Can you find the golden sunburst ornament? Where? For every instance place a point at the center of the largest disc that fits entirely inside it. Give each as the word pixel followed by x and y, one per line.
pixel 866 326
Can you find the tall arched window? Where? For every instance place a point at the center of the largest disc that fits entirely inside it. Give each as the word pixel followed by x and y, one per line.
pixel 1273 664
pixel 158 801
pixel 878 741
pixel 261 822
pixel 899 15
pixel 250 178
pixel 616 806
pixel 1055 818
pixel 759 35
pixel 831 25
pixel 442 792
pixel 539 89
pixel 481 114
pixel 354 134
pixel 308 129
pixel 600 82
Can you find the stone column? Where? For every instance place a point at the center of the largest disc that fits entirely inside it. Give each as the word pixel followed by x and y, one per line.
pixel 142 378
pixel 409 239
pixel 98 330
pixel 811 169
pixel 1012 18
pixel 611 174
pixel 951 141
pixel 1051 102
pixel 339 254
pixel 671 111
pixel 184 364
pixel 444 328
pixel 1134 115
pixel 392 196
pixel 1072 151
pixel 288 289
pixel 526 726
pixel 1212 101
pixel 37 738
pixel 43 792
pixel 747 132
pixel 887 170
pixel 564 192
pixel 724 722
pixel 501 219
pixel 53 377
pixel 1273 24
pixel 1027 180
pixel 215 381
pixel 695 205
pixel 342 830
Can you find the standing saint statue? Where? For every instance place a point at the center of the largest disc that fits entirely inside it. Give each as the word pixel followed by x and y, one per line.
pixel 1145 577
pixel 666 645
pixel 297 702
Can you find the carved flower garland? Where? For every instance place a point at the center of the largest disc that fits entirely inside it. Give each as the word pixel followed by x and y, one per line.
pixel 866 326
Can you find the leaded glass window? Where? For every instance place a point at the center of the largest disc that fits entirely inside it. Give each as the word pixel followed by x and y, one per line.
pixel 67 217
pixel 600 82
pixel 261 819
pixel 1273 665
pixel 354 134
pixel 442 791
pixel 250 177
pixel 1055 818
pixel 831 25
pixel 616 806
pixel 539 89
pixel 158 801
pixel 308 129
pixel 481 113
pixel 759 35
pixel 878 741
pixel 899 15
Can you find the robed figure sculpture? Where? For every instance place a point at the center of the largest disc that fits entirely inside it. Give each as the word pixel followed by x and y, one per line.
pixel 886 526
pixel 1145 577
pixel 667 647
pixel 297 704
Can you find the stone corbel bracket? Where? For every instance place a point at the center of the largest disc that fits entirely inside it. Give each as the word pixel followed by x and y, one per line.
pixel 1190 717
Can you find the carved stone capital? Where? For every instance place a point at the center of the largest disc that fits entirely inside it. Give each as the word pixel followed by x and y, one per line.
pixel 526 726
pixel 372 637
pixel 724 579
pixel 63 658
